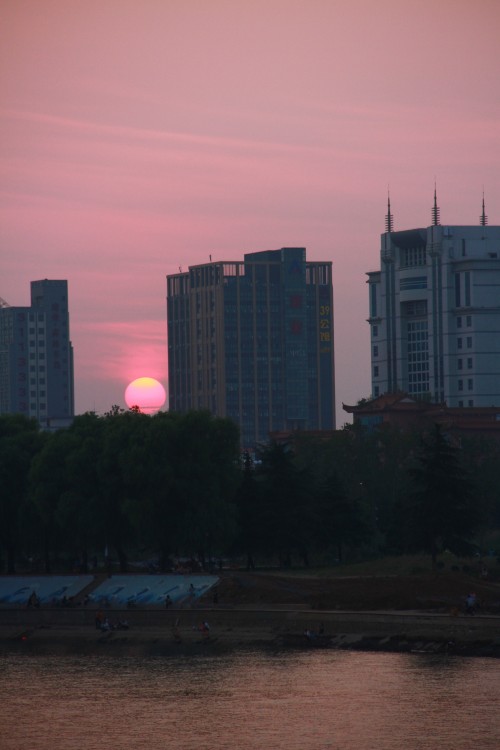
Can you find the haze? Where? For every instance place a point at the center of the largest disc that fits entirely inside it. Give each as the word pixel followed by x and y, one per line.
pixel 137 138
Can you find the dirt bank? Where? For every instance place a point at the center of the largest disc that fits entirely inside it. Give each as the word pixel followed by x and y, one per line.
pixel 428 592
pixel 413 613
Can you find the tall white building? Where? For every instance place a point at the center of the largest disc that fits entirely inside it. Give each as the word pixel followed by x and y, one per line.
pixel 435 313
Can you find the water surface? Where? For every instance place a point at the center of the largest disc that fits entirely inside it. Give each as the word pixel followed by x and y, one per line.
pixel 322 700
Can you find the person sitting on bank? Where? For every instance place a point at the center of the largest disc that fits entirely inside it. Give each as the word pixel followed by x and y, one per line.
pixel 33 600
pixel 204 629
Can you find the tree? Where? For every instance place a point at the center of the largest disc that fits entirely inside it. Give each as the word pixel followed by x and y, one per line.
pixel 20 440
pixel 78 511
pixel 206 476
pixel 339 519
pixel 48 483
pixel 249 512
pixel 442 511
pixel 119 478
pixel 286 522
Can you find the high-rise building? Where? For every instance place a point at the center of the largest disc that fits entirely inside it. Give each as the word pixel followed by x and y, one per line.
pixel 253 341
pixel 36 356
pixel 435 313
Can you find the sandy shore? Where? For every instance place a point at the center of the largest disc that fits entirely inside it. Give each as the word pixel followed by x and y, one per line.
pixel 56 630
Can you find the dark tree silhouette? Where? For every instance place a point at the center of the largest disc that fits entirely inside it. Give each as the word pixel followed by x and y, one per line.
pixel 20 440
pixel 442 512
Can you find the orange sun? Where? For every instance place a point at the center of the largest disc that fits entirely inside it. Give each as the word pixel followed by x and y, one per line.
pixel 146 393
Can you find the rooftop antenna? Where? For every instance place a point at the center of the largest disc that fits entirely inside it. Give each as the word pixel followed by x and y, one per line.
pixel 180 269
pixel 435 210
pixel 483 219
pixel 389 219
pixel 210 258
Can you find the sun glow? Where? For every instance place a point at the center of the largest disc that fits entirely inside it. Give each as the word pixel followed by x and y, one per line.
pixel 147 394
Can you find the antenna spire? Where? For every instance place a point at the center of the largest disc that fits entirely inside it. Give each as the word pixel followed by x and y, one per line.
pixel 389 219
pixel 435 210
pixel 483 219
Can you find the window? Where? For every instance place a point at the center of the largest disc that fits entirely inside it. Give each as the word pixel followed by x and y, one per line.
pixel 373 300
pixel 470 384
pixel 469 342
pixel 468 321
pixel 469 363
pixel 413 282
pixel 459 322
pixel 467 288
pixel 460 385
pixel 459 364
pixel 374 331
pixel 459 343
pixel 461 404
pixel 376 391
pixel 375 351
pixel 413 256
pixel 375 371
pixel 418 356
pixel 457 290
pixel 417 307
pixel 470 403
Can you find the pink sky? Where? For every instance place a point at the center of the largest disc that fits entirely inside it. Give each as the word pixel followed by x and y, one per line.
pixel 137 137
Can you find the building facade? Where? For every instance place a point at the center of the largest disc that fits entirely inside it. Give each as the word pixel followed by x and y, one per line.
pixel 253 341
pixel 405 413
pixel 435 313
pixel 36 356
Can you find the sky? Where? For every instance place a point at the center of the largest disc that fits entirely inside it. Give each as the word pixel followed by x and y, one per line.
pixel 140 138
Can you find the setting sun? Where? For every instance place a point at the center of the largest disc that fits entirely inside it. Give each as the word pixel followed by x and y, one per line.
pixel 146 393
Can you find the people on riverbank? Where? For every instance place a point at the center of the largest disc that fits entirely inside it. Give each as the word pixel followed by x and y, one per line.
pixel 470 604
pixel 33 601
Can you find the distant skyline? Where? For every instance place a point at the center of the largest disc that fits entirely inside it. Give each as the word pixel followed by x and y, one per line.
pixel 140 138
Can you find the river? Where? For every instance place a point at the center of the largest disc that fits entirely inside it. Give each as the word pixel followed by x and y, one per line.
pixel 250 700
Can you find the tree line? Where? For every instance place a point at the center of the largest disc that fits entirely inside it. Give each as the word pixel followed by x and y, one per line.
pixel 175 485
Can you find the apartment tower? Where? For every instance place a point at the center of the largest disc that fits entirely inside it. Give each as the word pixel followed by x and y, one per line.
pixel 435 313
pixel 252 340
pixel 36 356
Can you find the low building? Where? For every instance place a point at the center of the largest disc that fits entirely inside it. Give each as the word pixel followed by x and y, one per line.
pixel 404 412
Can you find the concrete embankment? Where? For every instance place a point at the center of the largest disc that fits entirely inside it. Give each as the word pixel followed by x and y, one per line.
pixel 169 631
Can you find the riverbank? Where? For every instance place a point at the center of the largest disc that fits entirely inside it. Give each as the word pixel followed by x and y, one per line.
pixel 172 632
pixel 419 613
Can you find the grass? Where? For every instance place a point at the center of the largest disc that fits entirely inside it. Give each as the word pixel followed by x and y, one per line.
pixel 403 565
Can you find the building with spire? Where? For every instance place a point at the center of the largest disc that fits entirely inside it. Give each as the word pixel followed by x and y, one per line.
pixel 434 312
pixel 36 357
pixel 252 340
